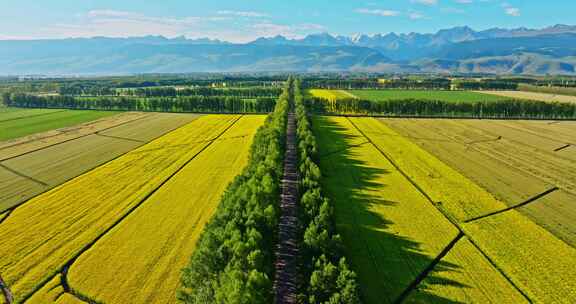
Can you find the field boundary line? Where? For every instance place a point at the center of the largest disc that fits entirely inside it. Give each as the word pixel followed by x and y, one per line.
pixel 31 116
pixel 424 274
pixel 522 204
pixel 8 213
pixel 120 138
pixel 64 270
pixel 65 141
pixel 23 175
pixel 445 214
pixel 6 291
pixel 562 148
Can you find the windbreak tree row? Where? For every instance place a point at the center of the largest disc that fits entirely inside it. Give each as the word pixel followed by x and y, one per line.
pixel 233 260
pixel 327 276
pixel 203 91
pixel 523 109
pixel 188 104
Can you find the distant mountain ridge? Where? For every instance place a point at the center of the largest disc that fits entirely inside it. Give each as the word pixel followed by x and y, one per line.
pixel 551 50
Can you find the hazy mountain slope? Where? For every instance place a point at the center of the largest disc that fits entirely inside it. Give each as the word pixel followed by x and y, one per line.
pixel 550 50
pixel 179 58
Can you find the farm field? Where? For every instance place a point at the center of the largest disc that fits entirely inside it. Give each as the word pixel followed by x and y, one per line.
pixel 7 113
pixel 26 144
pixel 532 96
pixel 450 96
pixel 50 230
pixel 375 207
pixel 331 94
pixel 164 230
pixel 33 166
pixel 513 160
pixel 543 275
pixel 465 276
pixel 31 124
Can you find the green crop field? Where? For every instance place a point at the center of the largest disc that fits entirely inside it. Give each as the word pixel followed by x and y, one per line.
pixel 34 123
pixel 449 96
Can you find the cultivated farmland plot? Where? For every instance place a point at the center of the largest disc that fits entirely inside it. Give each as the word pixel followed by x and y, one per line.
pixel 35 123
pixel 36 163
pixel 530 262
pixel 44 234
pixel 391 231
pixel 163 230
pixel 514 160
pixel 449 96
pixel 532 96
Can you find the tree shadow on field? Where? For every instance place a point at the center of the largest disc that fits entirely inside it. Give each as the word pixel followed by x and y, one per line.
pixel 386 263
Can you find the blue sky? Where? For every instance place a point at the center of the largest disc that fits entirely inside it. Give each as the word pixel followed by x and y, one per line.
pixel 244 20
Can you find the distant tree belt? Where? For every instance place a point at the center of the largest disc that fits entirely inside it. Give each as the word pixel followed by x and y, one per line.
pixel 435 84
pixel 487 85
pixel 209 104
pixel 327 277
pixel 234 258
pixel 109 87
pixel 548 89
pixel 436 108
pixel 232 92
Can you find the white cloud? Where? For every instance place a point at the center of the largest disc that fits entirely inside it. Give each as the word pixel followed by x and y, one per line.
pixel 233 26
pixel 464 1
pixel 415 15
pixel 378 12
pixel 242 14
pixel 511 10
pixel 425 2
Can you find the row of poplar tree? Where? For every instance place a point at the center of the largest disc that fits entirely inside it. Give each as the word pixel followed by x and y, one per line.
pixel 512 109
pixel 234 258
pixel 327 276
pixel 206 104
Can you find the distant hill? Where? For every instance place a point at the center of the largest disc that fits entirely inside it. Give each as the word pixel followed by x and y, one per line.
pixel 550 50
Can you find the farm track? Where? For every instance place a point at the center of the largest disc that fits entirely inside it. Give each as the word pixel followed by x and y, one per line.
pixel 287 251
pixel 528 201
pixel 64 270
pixel 23 175
pixel 444 213
pixel 8 297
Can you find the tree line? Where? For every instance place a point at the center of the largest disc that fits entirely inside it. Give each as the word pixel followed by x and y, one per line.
pixel 412 84
pixel 327 276
pixel 234 258
pixel 186 104
pixel 253 92
pixel 522 109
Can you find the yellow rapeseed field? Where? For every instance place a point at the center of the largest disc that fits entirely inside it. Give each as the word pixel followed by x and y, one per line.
pixel 331 95
pixel 390 230
pixel 140 261
pixel 535 260
pixel 464 275
pixel 40 236
pixel 462 198
pixel 539 263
